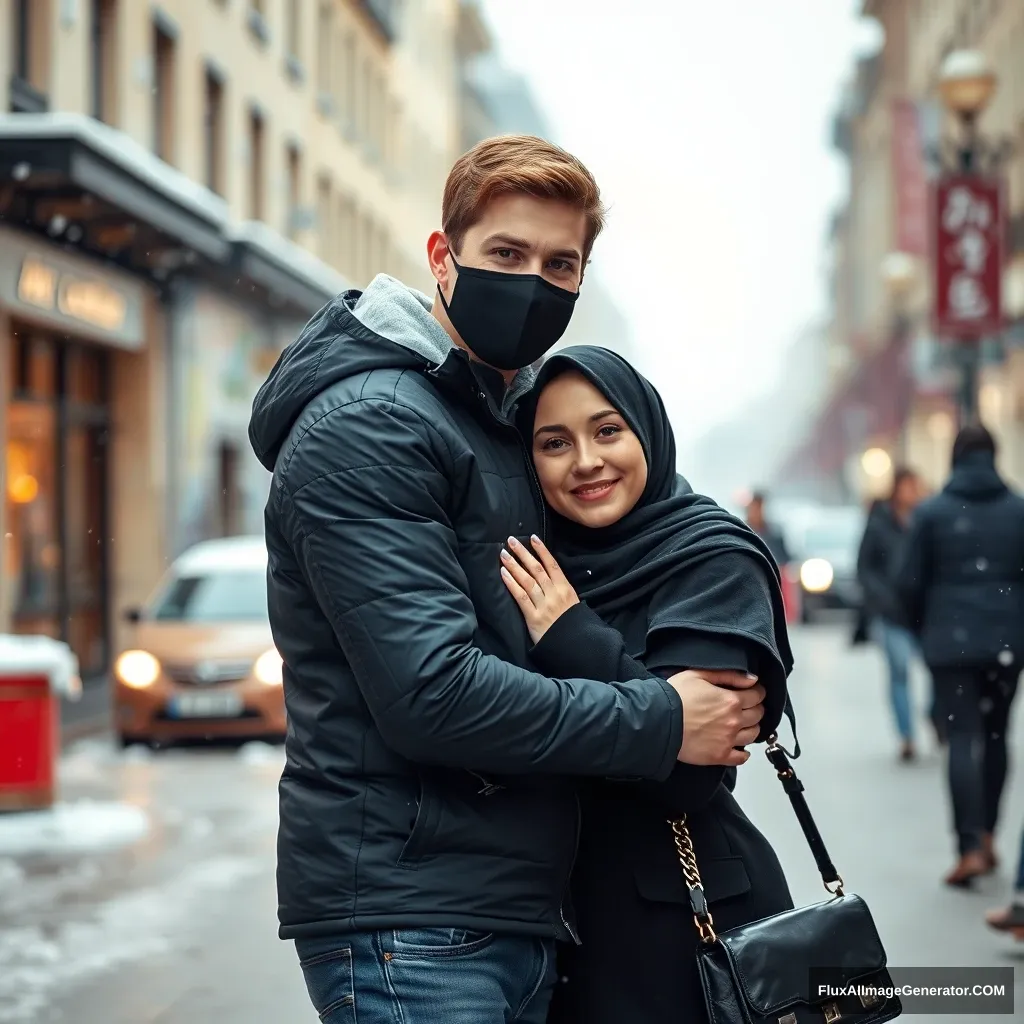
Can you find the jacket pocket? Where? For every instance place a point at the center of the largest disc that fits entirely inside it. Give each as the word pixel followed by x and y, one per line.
pixel 424 829
pixel 663 882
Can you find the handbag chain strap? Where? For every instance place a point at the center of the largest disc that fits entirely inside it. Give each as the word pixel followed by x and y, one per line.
pixel 794 788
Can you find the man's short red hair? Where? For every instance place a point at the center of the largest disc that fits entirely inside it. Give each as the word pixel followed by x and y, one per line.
pixel 517 164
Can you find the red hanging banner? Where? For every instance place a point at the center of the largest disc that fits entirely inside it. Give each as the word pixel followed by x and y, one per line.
pixel 967 236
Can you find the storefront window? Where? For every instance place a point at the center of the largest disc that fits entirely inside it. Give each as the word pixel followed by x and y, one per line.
pixel 54 566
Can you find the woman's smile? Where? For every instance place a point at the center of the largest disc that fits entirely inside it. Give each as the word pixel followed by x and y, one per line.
pixel 596 491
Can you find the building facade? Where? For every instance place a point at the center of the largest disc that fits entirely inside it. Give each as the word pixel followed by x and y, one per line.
pixel 892 382
pixel 182 184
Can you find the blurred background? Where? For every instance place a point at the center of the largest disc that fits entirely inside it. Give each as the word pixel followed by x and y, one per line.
pixel 183 183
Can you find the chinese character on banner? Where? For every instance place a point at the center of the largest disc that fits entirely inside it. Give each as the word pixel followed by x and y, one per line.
pixel 968 237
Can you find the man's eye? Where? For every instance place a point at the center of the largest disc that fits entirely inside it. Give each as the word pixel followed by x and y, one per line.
pixel 563 266
pixel 505 254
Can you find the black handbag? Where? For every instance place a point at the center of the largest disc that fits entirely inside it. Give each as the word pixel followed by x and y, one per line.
pixel 764 972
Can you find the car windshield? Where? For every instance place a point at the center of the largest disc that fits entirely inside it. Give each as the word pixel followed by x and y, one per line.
pixel 237 596
pixel 828 537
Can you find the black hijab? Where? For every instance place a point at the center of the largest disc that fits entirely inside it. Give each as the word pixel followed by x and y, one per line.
pixel 727 583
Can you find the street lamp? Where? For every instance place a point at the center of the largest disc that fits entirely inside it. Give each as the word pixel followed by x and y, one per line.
pixel 968 221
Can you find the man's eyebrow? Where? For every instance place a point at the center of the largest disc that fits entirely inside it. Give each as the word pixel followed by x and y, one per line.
pixel 521 243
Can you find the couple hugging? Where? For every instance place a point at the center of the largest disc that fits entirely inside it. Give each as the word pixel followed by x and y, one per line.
pixel 516 643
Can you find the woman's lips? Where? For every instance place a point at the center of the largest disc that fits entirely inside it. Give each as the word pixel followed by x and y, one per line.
pixel 594 492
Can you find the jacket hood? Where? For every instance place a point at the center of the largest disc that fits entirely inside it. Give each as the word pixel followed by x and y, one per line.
pixel 388 326
pixel 976 478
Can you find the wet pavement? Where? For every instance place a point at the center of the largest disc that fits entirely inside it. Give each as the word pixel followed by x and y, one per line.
pixel 154 902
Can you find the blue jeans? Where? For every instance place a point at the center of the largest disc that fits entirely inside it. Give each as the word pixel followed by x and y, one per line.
pixel 428 976
pixel 898 645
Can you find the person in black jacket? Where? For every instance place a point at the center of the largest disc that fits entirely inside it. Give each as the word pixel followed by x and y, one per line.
pixel 961 582
pixel 668 581
pixel 880 549
pixel 428 810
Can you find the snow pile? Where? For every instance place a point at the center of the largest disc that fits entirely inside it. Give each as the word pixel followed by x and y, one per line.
pixel 40 964
pixel 40 655
pixel 84 827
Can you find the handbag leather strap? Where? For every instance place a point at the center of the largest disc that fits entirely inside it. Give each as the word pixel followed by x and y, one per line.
pixel 794 788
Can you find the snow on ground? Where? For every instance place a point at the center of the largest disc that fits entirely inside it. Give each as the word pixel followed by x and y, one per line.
pixel 41 962
pixel 86 826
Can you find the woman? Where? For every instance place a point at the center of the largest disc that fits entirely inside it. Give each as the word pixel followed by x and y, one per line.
pixel 673 580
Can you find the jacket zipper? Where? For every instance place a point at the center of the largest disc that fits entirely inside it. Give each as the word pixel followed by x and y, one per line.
pixel 572 867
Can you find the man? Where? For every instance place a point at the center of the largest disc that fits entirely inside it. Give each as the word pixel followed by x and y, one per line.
pixel 771 535
pixel 960 585
pixel 877 560
pixel 428 827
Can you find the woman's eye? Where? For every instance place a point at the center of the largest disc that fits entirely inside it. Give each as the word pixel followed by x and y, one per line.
pixel 609 431
pixel 554 444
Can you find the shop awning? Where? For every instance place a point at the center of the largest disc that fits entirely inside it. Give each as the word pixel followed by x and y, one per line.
pixel 82 182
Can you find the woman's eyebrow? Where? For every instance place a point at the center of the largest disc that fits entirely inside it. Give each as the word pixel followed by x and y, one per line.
pixel 561 428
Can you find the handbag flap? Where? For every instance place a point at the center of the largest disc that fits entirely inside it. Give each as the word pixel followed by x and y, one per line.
pixel 772 959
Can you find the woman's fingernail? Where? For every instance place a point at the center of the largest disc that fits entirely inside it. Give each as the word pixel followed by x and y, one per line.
pixel 513 542
pixel 535 538
pixel 505 555
pixel 750 675
pixel 506 573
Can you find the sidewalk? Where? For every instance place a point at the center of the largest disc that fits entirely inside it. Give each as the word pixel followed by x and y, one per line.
pixel 89 715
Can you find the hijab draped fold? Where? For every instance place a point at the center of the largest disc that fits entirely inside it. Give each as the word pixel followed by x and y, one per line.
pixel 695 565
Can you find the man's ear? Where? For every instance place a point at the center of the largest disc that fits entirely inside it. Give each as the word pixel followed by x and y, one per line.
pixel 438 252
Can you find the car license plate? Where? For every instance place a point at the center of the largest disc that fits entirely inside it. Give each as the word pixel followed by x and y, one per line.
pixel 206 705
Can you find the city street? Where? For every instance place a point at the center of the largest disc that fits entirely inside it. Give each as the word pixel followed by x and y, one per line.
pixel 178 924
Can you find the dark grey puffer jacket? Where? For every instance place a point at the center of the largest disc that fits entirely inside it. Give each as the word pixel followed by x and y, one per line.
pixel 428 772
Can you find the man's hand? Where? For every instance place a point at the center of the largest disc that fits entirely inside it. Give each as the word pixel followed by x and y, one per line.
pixel 721 711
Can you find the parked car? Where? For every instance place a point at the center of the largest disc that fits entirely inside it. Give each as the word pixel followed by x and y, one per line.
pixel 202 661
pixel 825 546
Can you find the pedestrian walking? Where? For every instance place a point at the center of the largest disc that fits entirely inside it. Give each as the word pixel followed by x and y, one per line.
pixel 767 531
pixel 877 560
pixel 670 581
pixel 1011 918
pixel 428 805
pixel 961 582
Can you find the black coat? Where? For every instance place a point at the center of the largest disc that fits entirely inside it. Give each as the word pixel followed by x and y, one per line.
pixel 961 580
pixel 637 961
pixel 425 775
pixel 881 548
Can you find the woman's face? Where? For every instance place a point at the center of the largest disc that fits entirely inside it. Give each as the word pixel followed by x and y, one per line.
pixel 590 464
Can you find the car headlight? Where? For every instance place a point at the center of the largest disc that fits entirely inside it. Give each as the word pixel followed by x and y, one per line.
pixel 269 668
pixel 816 575
pixel 137 669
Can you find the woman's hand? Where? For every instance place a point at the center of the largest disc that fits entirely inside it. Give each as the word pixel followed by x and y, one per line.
pixel 538 585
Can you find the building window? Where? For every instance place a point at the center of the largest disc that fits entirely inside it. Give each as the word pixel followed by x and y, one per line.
pixel 213 131
pixel 325 220
pixel 257 175
pixel 324 30
pixel 30 55
pixel 163 93
pixel 293 29
pixel 294 191
pixel 103 49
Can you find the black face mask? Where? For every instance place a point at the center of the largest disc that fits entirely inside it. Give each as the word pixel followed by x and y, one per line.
pixel 508 320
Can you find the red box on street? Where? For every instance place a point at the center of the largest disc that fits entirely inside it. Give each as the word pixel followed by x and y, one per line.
pixel 29 736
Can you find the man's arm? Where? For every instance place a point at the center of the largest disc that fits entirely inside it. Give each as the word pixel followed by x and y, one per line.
pixel 368 488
